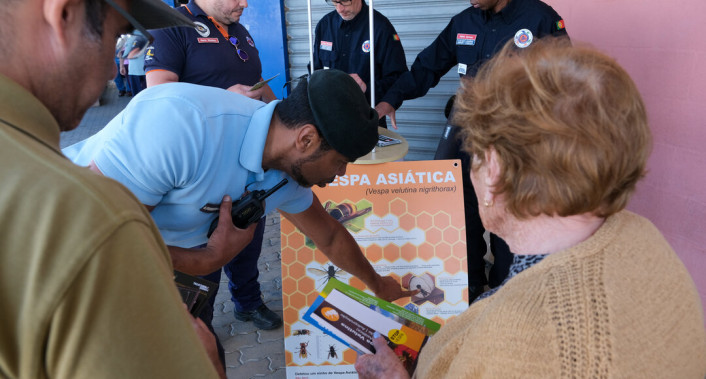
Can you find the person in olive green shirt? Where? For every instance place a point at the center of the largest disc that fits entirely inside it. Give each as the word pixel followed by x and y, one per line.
pixel 86 281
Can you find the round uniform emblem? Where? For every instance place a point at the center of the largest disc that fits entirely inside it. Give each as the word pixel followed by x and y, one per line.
pixel 523 38
pixel 250 41
pixel 202 29
pixel 366 46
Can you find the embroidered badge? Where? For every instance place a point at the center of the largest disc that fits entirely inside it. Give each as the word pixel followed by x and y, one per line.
pixel 523 38
pixel 462 68
pixel 326 45
pixel 560 25
pixel 250 41
pixel 366 46
pixel 207 40
pixel 466 39
pixel 202 29
pixel 149 54
pixel 396 37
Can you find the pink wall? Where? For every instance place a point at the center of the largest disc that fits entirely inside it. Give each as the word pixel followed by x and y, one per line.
pixel 663 47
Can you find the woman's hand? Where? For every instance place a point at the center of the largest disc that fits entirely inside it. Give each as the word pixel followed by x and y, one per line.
pixel 383 364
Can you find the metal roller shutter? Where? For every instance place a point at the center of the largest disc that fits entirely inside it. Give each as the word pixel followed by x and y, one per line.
pixel 417 22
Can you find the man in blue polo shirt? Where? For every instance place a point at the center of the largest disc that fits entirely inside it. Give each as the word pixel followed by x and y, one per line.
pixel 182 149
pixel 342 41
pixel 219 52
pixel 470 39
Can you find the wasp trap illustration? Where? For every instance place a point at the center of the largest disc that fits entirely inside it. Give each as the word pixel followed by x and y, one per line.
pixel 426 285
pixel 352 216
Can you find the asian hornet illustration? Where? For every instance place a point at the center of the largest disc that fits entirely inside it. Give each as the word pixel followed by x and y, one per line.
pixel 301 350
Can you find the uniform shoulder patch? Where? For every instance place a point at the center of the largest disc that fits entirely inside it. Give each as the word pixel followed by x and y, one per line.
pixel 523 38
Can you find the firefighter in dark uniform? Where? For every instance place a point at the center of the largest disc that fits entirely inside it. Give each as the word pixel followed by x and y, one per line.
pixel 471 38
pixel 342 41
pixel 218 52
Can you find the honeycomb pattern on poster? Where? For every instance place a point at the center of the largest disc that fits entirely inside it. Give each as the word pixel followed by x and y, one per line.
pixel 443 239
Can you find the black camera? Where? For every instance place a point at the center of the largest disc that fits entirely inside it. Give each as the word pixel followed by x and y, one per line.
pixel 249 208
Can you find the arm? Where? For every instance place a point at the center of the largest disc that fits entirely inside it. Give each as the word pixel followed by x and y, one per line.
pixel 338 245
pixel 124 295
pixel 428 68
pixel 225 243
pixel 156 77
pixel 390 61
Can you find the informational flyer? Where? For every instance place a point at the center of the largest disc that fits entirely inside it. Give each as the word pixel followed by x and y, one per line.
pixel 408 219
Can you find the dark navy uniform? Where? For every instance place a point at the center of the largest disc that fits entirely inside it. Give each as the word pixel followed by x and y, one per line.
pixel 202 55
pixel 345 45
pixel 470 39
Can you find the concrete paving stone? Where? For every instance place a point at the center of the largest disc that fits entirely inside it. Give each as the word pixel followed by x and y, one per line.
pixel 261 351
pixel 233 361
pixel 240 327
pixel 267 336
pixel 253 369
pixel 240 341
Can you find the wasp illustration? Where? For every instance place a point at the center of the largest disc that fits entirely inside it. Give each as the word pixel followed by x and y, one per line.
pixel 301 350
pixel 301 332
pixel 326 273
pixel 332 351
pixel 424 283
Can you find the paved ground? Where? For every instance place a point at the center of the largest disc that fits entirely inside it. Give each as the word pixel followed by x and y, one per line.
pixel 249 352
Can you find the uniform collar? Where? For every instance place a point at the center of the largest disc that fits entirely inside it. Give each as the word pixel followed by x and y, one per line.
pixel 506 13
pixel 195 10
pixel 256 135
pixel 19 108
pixel 362 15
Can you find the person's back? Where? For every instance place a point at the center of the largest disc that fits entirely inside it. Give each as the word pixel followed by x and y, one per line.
pixel 75 247
pixel 86 281
pixel 589 311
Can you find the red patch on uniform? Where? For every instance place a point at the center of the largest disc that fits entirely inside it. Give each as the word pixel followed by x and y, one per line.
pixel 208 40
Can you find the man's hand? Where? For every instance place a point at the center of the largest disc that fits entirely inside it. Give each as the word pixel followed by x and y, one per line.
pixel 385 109
pixel 360 82
pixel 389 289
pixel 245 90
pixel 208 340
pixel 383 364
pixel 227 240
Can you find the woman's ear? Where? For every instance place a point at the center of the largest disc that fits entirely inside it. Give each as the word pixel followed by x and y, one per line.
pixel 492 172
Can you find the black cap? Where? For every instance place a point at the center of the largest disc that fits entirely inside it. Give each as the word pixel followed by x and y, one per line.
pixel 156 14
pixel 342 113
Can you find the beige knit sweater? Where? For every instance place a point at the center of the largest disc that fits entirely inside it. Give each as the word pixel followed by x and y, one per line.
pixel 618 305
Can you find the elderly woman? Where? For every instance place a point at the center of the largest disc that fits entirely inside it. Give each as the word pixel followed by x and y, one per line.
pixel 559 138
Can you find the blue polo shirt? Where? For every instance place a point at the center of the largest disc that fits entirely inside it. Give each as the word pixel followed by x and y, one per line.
pixel 345 45
pixel 181 147
pixel 202 55
pixel 470 39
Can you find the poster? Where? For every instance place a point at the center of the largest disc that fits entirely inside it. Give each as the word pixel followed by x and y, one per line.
pixel 408 219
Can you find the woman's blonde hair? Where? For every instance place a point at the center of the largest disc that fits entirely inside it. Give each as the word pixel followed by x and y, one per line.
pixel 568 124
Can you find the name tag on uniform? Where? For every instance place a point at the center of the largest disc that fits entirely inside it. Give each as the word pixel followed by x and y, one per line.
pixel 208 40
pixel 326 45
pixel 466 39
pixel 462 68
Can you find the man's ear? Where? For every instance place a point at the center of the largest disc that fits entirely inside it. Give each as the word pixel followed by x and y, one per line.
pixel 307 139
pixel 63 15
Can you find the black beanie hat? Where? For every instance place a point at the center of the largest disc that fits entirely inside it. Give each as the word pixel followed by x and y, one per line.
pixel 342 113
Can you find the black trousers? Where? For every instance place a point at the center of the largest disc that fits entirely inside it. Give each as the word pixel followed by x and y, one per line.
pixel 450 148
